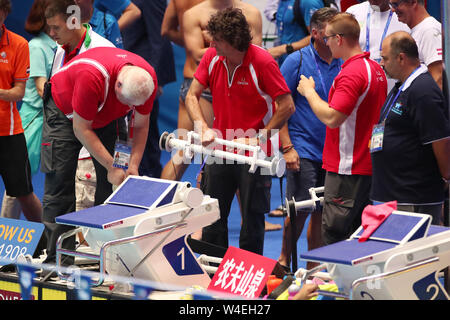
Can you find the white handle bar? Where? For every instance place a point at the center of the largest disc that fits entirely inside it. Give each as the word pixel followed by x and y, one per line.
pixel 276 166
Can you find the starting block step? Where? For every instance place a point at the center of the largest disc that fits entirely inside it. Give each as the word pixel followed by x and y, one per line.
pixel 100 217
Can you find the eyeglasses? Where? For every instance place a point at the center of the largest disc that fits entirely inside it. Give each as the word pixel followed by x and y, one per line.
pixel 325 39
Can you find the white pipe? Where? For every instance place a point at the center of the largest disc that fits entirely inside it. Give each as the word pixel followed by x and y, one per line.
pixel 276 167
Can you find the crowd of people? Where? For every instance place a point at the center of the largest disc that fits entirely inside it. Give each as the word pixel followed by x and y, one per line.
pixel 350 95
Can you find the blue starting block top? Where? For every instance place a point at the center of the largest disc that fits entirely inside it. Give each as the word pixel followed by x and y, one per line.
pixel 101 217
pixel 135 196
pixel 347 252
pixel 398 228
pixel 144 192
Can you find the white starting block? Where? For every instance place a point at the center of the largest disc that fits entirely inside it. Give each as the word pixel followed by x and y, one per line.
pixel 141 231
pixel 168 142
pixel 401 260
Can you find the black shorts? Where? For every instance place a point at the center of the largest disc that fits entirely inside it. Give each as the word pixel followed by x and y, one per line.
pixel 345 198
pixel 206 94
pixel 15 165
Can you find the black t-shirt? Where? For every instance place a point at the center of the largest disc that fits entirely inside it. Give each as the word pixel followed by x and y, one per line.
pixel 406 169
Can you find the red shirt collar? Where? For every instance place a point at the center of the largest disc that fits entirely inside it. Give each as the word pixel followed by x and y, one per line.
pixel 70 55
pixel 358 56
pixel 247 57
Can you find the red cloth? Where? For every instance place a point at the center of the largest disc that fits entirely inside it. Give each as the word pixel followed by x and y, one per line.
pixel 373 216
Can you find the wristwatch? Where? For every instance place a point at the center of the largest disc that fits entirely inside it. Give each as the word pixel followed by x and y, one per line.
pixel 289 48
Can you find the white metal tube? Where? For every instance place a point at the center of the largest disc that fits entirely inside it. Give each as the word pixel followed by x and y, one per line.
pixel 232 144
pixel 181 144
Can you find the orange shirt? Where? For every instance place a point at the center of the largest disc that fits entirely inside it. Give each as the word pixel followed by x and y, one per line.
pixel 14 67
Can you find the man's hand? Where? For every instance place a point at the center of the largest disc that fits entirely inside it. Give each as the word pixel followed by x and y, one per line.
pixel 305 84
pixel 132 171
pixel 116 176
pixel 208 136
pixel 292 160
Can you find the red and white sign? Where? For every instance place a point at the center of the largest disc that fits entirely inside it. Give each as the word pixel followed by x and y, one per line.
pixel 11 295
pixel 242 273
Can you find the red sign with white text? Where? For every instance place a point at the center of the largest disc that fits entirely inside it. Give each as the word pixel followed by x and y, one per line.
pixel 242 273
pixel 11 295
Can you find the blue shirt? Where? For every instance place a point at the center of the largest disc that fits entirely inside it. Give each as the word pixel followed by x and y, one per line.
pixel 115 7
pixel 42 51
pixel 288 30
pixel 306 131
pixel 105 24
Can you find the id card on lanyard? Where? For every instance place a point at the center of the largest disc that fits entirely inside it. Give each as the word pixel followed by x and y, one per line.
pixel 319 73
pixel 122 149
pixel 386 27
pixel 376 141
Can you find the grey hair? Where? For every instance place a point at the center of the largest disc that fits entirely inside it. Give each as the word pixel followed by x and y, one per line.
pixel 137 85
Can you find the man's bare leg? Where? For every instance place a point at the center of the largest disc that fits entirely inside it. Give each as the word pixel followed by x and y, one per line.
pixel 313 236
pixel 31 207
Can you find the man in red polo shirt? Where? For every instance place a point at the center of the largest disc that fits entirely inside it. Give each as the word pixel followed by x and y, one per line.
pixel 86 98
pixel 245 84
pixel 74 38
pixel 353 108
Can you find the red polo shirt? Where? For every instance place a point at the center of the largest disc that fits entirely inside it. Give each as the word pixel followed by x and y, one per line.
pixel 86 85
pixel 247 99
pixel 358 91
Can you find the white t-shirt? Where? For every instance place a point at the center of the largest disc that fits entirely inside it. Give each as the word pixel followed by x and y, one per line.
pixel 428 36
pixel 378 22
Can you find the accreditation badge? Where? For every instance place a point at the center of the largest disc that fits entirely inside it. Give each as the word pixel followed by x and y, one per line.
pixel 122 154
pixel 376 141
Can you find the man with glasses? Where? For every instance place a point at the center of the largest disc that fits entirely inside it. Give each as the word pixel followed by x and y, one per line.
pixel 353 107
pixel 377 21
pixel 426 31
pixel 304 135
